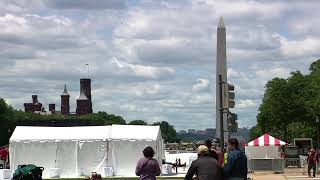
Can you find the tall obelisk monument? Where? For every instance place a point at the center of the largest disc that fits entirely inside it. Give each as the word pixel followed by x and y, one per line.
pixel 221 70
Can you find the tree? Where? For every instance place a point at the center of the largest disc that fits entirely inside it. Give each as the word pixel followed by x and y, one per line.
pixel 168 133
pixel 290 106
pixel 137 122
pixel 6 121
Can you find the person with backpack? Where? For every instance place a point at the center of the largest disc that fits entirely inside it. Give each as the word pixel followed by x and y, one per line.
pixel 147 167
pixel 236 166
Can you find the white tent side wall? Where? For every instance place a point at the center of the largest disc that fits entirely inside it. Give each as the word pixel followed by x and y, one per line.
pixel 81 150
pixel 66 158
pixel 126 154
pixel 60 147
pixel 92 156
pixel 127 143
pixel 38 153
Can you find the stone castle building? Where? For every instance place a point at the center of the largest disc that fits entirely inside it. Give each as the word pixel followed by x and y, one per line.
pixel 34 106
pixel 84 103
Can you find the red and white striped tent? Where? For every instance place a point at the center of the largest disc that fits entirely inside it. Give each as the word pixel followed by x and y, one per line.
pixel 266 140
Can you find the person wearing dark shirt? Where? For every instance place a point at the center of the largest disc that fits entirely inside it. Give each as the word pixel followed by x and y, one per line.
pixel 212 153
pixel 236 166
pixel 205 167
pixel 148 168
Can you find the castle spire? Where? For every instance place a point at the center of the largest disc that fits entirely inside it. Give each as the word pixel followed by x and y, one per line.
pixel 65 92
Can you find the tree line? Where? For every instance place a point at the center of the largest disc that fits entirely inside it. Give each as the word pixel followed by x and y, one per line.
pixel 290 106
pixel 10 118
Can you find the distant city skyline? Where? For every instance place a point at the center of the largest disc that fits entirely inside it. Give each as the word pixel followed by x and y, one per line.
pixel 153 60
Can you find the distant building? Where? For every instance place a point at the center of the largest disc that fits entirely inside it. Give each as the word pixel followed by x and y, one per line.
pixel 65 107
pixel 84 102
pixel 200 132
pixel 34 106
pixel 183 132
pixel 192 131
pixel 52 108
pixel 210 131
pixel 85 85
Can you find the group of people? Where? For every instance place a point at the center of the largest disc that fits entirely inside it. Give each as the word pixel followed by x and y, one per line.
pixel 313 162
pixel 4 157
pixel 210 164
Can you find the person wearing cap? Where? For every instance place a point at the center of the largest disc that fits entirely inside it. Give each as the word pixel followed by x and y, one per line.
pixel 204 167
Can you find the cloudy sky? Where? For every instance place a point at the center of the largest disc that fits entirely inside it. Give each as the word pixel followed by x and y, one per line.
pixel 153 60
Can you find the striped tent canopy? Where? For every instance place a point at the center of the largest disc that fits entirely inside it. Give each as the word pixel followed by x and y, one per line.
pixel 266 140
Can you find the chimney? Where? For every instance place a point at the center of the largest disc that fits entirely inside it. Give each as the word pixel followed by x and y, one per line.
pixel 52 108
pixel 34 99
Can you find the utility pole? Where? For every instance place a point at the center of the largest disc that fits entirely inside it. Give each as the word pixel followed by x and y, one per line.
pixel 221 115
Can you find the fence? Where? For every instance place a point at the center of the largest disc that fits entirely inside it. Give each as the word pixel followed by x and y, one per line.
pixel 275 165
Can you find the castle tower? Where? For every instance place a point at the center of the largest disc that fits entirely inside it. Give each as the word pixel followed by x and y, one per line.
pixel 34 106
pixel 83 103
pixel 85 85
pixel 65 108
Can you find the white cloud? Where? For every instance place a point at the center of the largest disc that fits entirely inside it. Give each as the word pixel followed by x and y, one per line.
pixel 310 46
pixel 202 99
pixel 246 103
pixel 201 85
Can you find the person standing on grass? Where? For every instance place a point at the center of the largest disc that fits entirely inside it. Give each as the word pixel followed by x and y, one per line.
pixel 148 168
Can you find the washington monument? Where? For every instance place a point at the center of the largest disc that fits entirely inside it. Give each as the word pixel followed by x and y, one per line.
pixel 221 70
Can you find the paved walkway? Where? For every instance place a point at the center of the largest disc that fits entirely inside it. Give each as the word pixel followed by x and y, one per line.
pixel 290 174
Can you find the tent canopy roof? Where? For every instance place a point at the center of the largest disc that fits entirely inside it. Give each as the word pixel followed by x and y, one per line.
pixel 60 133
pixel 114 132
pixel 135 132
pixel 266 140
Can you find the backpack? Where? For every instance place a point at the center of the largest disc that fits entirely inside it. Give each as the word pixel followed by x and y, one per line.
pixel 239 167
pixel 28 172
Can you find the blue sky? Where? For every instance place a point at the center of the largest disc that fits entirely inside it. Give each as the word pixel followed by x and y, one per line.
pixel 153 60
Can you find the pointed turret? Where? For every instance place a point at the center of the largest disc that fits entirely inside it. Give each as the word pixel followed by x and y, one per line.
pixel 65 107
pixel 65 92
pixel 221 23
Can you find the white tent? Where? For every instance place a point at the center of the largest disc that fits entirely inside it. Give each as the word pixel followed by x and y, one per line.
pixel 265 147
pixel 127 143
pixel 80 150
pixel 74 150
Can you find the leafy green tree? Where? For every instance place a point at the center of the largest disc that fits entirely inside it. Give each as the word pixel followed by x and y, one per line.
pixel 290 106
pixel 168 133
pixel 137 122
